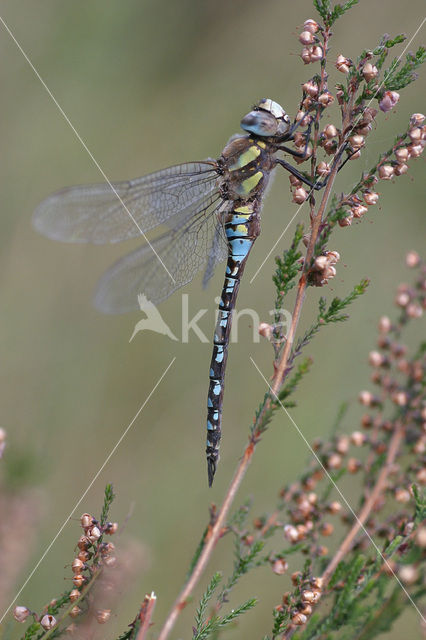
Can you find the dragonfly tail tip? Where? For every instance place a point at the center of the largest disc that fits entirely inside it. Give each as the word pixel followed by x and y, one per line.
pixel 211 470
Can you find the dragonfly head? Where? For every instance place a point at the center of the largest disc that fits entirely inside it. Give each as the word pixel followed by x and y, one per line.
pixel 267 120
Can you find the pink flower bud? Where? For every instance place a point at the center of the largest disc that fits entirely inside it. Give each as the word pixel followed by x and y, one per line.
pixel 21 613
pixel 48 622
pixel 330 131
pixel 402 154
pixel 325 99
pixel 415 134
pixel 311 25
pixel 343 64
pixel 317 53
pixel 389 100
pixel 359 211
pixel 280 566
pixel 400 169
pixel 300 195
pixel 415 150
pixel 412 259
pixel 357 141
pixel 311 88
pixel 305 54
pixel 370 197
pixel 369 71
pixel 323 169
pixel 306 38
pixel 386 172
pixel 417 119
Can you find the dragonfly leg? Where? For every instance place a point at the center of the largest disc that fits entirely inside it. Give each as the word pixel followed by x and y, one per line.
pixel 320 184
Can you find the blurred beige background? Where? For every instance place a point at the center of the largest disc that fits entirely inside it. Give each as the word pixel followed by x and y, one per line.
pixel 148 84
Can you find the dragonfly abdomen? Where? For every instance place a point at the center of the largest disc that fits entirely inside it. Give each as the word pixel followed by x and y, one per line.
pixel 242 229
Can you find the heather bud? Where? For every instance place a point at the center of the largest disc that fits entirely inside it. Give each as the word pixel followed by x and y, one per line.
pixel 369 71
pixel 343 64
pixel 311 25
pixel 325 99
pixel 103 615
pixel 311 88
pixel 370 197
pixel 300 195
pixel 389 100
pixel 330 131
pixel 386 172
pixel 48 622
pixel 417 119
pixel 412 259
pixel 306 38
pixel 280 566
pixel 317 53
pixel 323 169
pixel 21 613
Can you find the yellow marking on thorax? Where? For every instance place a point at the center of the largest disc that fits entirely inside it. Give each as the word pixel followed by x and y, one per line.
pixel 245 158
pixel 247 185
pixel 247 208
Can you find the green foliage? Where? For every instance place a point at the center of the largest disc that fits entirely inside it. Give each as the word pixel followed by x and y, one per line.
pixel 108 499
pixel 394 80
pixel 205 599
pixel 197 553
pixel 329 14
pixel 292 384
pixel 420 500
pixel 216 623
pixel 288 267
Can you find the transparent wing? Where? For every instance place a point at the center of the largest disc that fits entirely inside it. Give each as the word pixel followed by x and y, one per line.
pixel 218 253
pixel 95 213
pixel 184 250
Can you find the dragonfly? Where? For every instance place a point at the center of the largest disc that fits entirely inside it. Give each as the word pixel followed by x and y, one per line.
pixel 206 212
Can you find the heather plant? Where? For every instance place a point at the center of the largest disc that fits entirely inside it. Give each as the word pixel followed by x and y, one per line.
pixel 347 581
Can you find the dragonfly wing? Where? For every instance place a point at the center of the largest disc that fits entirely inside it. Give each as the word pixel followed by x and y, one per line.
pixel 218 252
pixel 104 213
pixel 179 254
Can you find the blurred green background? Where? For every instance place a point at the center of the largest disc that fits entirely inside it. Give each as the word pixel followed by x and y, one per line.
pixel 148 84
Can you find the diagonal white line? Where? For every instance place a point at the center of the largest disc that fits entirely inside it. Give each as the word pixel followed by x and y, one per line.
pixel 299 431
pixel 357 120
pixel 84 145
pixel 79 501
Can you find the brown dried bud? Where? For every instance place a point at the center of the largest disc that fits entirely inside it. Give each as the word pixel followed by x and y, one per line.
pixel 408 574
pixel 417 119
pixel 415 134
pixel 300 195
pixel 359 211
pixel 74 595
pixel 77 565
pixel 317 53
pixel 311 25
pixel 48 622
pixel 280 566
pixel 326 529
pixel 86 520
pixel 305 54
pixel 369 71
pixel 311 88
pixel 323 169
pixel 412 259
pixel 75 612
pixel 295 182
pixel 386 172
pixel 83 543
pixel 353 465
pixel 307 596
pixel 296 577
pixel 370 197
pixel 402 495
pixel 306 38
pixel 111 528
pixel 334 507
pixel 330 131
pixel 103 615
pixel 334 461
pixel 357 141
pixel 389 100
pixel 358 438
pixel 21 613
pixel 78 580
pixel 414 310
pixel 317 583
pixel 400 169
pixel 346 222
pixel 298 618
pixel 84 556
pixel 93 534
pixel 291 533
pixel 343 64
pixel 306 609
pixel 265 330
pixel 325 99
